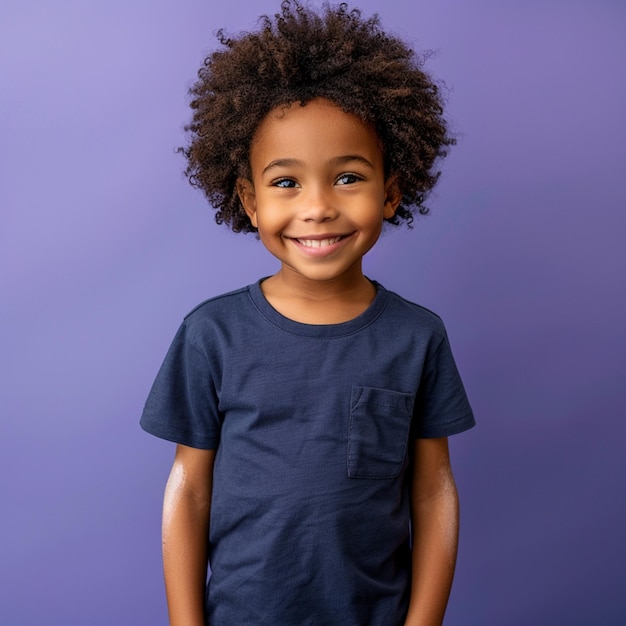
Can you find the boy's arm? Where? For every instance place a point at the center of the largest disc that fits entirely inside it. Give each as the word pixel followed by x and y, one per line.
pixel 186 510
pixel 435 531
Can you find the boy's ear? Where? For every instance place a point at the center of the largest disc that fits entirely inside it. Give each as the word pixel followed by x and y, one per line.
pixel 393 197
pixel 245 191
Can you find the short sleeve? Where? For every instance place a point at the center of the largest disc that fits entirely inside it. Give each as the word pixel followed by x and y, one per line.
pixel 441 406
pixel 182 405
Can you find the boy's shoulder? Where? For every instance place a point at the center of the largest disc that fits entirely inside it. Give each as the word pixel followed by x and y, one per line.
pixel 242 308
pixel 226 314
pixel 410 310
pixel 225 302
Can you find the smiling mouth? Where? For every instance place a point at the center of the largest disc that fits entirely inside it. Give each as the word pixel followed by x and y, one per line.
pixel 318 243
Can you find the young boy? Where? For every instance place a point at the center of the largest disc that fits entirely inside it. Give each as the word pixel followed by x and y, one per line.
pixel 311 409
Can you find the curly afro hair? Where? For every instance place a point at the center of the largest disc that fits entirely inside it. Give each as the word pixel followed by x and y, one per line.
pixel 298 56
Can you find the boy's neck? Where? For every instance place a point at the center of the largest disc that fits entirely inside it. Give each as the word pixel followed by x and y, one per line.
pixel 318 302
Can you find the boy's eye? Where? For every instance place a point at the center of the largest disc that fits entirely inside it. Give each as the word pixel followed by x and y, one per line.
pixel 285 183
pixel 348 179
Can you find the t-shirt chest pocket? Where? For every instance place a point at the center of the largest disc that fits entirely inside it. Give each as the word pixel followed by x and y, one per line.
pixel 378 433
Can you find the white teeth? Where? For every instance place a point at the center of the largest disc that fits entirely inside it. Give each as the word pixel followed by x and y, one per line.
pixel 318 243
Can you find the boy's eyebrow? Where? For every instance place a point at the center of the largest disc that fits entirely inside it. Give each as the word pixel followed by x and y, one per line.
pixel 283 163
pixel 340 160
pixel 348 158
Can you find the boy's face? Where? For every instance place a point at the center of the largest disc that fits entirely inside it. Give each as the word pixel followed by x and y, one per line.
pixel 318 194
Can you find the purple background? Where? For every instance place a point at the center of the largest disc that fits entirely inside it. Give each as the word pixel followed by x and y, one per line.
pixel 104 247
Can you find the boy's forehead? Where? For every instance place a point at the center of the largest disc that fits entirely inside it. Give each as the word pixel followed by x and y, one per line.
pixel 312 120
pixel 286 110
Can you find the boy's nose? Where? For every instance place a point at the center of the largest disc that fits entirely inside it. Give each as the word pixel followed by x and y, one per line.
pixel 318 207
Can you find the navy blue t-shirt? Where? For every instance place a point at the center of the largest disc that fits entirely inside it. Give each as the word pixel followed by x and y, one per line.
pixel 312 425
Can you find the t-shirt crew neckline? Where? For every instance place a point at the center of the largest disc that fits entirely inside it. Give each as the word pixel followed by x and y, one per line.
pixel 322 331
